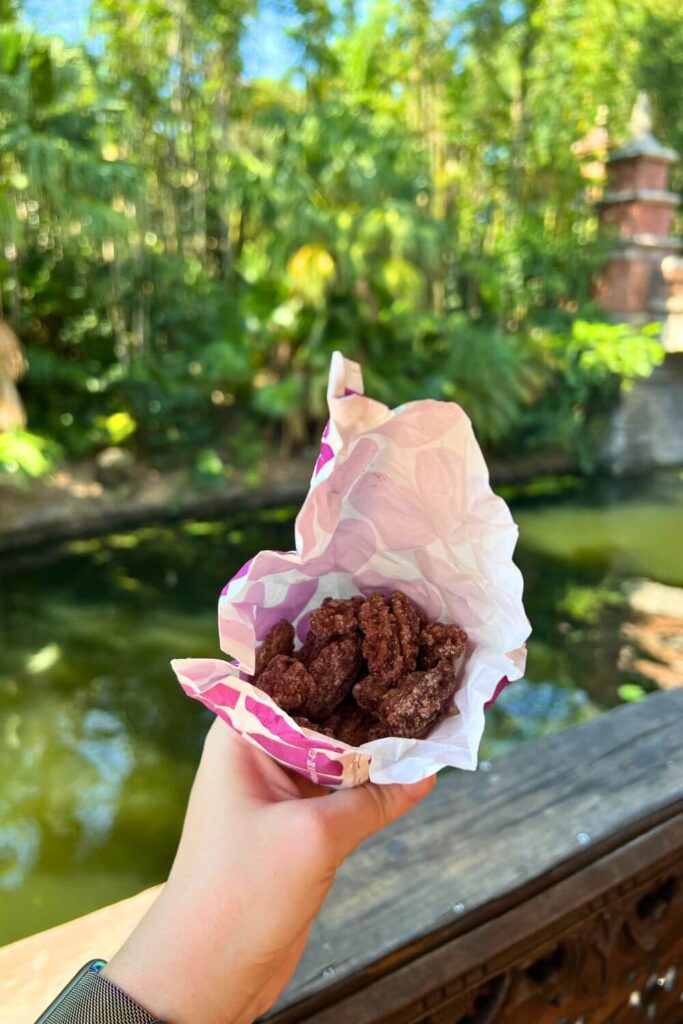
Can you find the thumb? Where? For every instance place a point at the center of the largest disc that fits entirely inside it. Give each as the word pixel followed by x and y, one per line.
pixel 353 815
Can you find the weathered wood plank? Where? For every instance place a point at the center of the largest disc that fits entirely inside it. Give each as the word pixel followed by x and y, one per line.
pixel 578 950
pixel 35 969
pixel 487 841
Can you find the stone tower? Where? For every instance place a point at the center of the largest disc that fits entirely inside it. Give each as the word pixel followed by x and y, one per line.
pixel 642 281
pixel 637 210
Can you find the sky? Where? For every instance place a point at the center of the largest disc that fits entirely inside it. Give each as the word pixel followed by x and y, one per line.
pixel 266 51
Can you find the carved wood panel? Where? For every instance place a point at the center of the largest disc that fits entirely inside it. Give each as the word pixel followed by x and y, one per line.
pixel 622 964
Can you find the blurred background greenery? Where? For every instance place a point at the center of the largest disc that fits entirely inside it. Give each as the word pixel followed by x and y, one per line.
pixel 199 201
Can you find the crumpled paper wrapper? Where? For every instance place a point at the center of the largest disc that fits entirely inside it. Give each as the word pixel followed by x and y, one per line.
pixel 399 499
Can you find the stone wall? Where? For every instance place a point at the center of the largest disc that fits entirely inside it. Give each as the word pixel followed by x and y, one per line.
pixel 646 431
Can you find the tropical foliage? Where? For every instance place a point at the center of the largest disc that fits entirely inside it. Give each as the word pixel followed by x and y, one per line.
pixel 184 245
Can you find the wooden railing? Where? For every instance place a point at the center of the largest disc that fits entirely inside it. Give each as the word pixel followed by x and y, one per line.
pixel 545 890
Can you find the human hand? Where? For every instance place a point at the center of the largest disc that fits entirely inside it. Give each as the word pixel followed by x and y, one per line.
pixel 257 856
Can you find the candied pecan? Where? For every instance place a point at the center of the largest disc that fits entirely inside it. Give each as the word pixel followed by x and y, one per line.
pixel 411 708
pixel 288 682
pixel 280 640
pixel 450 682
pixel 341 696
pixel 441 640
pixel 370 692
pixel 381 647
pixel 336 617
pixel 350 724
pixel 409 623
pixel 312 647
pixel 378 730
pixel 335 670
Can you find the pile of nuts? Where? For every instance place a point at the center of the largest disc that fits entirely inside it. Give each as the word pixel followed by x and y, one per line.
pixel 370 667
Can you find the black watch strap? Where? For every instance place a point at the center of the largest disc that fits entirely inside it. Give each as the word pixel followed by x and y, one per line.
pixel 91 999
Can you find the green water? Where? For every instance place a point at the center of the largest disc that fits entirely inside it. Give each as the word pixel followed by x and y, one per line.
pixel 98 745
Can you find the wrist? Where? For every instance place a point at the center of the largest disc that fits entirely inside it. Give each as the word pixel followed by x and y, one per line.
pixel 90 996
pixel 180 970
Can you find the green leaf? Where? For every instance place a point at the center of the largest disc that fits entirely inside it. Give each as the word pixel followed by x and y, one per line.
pixel 631 692
pixel 25 453
pixel 209 463
pixel 119 426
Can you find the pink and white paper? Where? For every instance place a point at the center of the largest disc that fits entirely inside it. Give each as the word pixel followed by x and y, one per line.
pixel 399 498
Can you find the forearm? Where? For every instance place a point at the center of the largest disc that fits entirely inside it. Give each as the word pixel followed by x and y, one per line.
pixel 257 856
pixel 178 964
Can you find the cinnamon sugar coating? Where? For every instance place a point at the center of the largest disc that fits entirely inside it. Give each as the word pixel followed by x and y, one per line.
pixel 370 667
pixel 288 682
pixel 441 640
pixel 381 645
pixel 312 647
pixel 415 705
pixel 408 626
pixel 336 617
pixel 334 670
pixel 350 724
pixel 280 640
pixel 370 692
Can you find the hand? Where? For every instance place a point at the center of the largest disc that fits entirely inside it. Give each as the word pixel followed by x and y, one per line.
pixel 257 856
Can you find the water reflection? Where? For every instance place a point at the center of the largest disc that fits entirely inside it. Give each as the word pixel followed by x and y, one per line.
pixel 527 710
pixel 19 846
pixel 98 744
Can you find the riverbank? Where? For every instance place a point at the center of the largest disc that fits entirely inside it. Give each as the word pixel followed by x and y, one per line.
pixel 89 498
pixel 75 502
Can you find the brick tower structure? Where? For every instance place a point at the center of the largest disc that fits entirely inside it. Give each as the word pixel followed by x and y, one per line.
pixel 637 210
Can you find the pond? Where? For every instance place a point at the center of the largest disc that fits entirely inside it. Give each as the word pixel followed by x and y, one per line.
pixel 98 745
